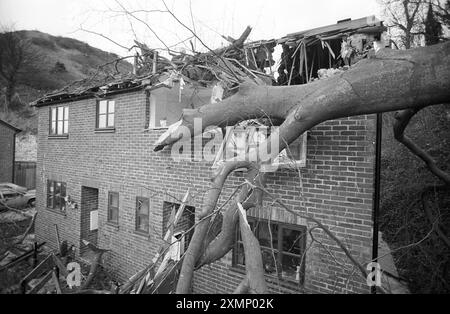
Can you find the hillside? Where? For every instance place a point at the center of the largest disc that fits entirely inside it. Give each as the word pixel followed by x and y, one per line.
pixel 62 60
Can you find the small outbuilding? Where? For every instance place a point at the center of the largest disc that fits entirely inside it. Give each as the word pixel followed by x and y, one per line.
pixel 7 151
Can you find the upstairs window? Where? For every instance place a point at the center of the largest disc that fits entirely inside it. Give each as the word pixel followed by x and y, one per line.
pixel 142 214
pixel 239 140
pixel 56 195
pixel 105 114
pixel 282 249
pixel 59 120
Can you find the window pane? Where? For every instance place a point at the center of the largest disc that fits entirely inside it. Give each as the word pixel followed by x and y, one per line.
pixel 114 199
pixel 115 214
pixel 102 107
pixel 66 127
pixel 102 121
pixel 239 257
pixel 270 259
pixel 142 213
pixel 236 144
pixel 294 151
pixel 53 129
pixel 143 207
pixel 63 196
pixel 143 223
pixel 66 113
pixel 111 106
pixel 266 236
pixel 60 113
pixel 291 267
pixel 60 127
pixel 258 137
pixel 63 189
pixel 53 115
pixel 240 142
pixel 50 193
pixel 57 195
pixel 111 120
pixel 291 241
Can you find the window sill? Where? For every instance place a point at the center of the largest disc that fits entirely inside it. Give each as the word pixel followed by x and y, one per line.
pixel 282 166
pixel 157 128
pixel 286 283
pixel 106 130
pixel 55 211
pixel 58 137
pixel 142 234
pixel 114 225
pixel 273 167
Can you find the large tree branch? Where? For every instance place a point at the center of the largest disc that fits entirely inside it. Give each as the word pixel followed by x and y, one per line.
pixel 194 250
pixel 392 80
pixel 224 242
pixel 253 258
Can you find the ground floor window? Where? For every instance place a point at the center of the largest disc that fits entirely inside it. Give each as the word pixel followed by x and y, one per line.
pixel 184 228
pixel 113 207
pixel 282 249
pixel 142 214
pixel 56 195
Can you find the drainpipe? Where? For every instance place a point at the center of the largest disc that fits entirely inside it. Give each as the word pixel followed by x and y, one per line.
pixel 376 198
pixel 13 179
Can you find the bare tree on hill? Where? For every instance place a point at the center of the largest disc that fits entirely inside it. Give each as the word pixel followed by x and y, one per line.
pixel 17 58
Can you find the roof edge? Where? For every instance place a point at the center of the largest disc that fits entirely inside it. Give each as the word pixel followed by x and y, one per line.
pixel 86 96
pixel 17 130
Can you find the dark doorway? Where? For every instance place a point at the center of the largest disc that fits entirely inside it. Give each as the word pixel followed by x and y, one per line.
pixel 89 217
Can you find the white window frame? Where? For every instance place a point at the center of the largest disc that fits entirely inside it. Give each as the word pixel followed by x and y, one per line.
pixel 56 119
pixel 281 162
pixel 153 124
pixel 107 114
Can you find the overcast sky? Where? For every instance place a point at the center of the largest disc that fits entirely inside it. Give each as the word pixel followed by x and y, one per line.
pixel 269 19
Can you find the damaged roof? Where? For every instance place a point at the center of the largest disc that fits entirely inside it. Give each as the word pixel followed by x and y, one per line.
pixel 368 24
pixel 95 86
pixel 222 65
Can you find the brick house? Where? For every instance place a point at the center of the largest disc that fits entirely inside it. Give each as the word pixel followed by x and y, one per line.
pixel 95 148
pixel 7 151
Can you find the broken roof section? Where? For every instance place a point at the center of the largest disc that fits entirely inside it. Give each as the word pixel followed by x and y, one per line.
pixel 369 24
pixel 97 85
pixel 231 66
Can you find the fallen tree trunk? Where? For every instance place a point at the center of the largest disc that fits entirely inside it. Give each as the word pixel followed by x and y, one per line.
pixel 389 81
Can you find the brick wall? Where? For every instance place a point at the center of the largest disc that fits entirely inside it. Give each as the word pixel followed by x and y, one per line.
pixel 6 153
pixel 335 187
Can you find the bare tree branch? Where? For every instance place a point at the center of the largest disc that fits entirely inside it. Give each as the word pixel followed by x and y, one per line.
pixel 402 120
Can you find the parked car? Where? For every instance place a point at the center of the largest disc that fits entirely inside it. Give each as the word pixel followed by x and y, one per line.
pixel 16 196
